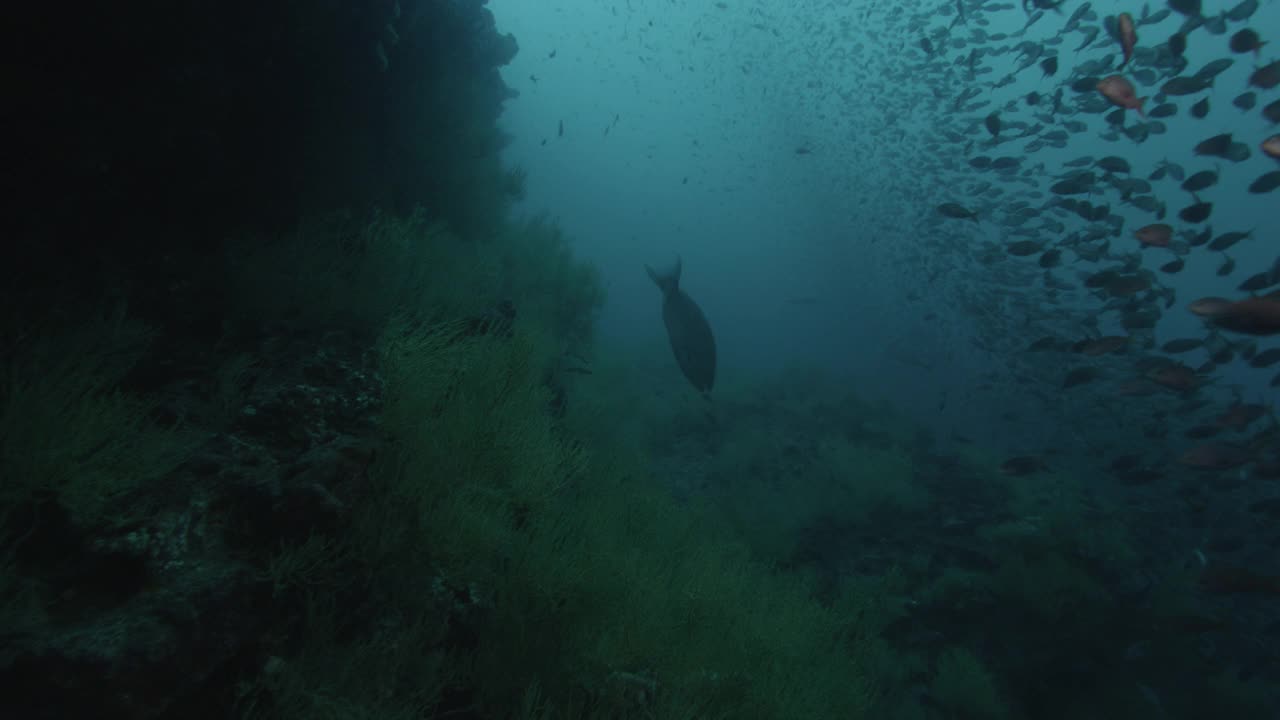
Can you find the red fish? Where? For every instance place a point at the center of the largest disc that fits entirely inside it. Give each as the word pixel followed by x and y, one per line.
pixel 1022 465
pixel 1228 579
pixel 1096 347
pixel 1154 235
pixel 1215 456
pixel 1121 93
pixel 1241 415
pixel 1137 388
pixel 1128 36
pixel 1176 376
pixel 1207 307
pixel 1267 469
pixel 1251 316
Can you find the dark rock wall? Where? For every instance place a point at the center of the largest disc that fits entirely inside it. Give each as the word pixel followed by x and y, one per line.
pixel 142 130
pixel 140 138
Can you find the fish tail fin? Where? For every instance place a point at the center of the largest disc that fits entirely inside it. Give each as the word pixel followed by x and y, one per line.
pixel 669 281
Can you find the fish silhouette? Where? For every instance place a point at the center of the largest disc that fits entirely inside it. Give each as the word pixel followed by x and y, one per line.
pixel 691 339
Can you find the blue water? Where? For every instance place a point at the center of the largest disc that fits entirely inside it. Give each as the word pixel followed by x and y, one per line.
pixel 836 258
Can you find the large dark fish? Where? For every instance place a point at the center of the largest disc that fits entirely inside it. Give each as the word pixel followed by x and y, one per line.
pixel 691 339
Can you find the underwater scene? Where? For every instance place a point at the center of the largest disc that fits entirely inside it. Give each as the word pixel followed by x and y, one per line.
pixel 641 360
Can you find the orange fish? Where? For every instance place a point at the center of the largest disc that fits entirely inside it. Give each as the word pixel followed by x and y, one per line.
pixel 1271 146
pixel 1121 93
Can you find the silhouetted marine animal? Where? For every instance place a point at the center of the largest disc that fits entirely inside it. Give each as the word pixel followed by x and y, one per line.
pixel 691 338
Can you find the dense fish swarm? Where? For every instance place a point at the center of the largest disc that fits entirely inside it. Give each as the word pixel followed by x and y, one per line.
pixel 1082 265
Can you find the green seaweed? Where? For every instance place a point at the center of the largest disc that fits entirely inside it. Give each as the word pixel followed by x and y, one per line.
pixel 67 430
pixel 964 686
pixel 590 572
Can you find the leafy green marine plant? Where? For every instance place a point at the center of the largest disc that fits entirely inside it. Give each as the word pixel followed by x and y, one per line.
pixel 556 291
pixel 340 271
pixel 68 432
pixel 664 612
pixel 963 686
pixel 598 587
pixel 394 671
pixel 475 448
